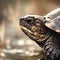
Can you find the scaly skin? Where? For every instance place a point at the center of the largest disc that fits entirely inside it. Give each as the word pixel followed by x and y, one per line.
pixel 52 48
pixel 35 29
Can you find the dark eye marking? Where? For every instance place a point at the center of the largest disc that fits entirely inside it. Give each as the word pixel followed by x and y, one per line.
pixel 30 20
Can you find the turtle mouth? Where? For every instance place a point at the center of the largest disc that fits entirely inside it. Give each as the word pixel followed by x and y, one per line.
pixel 32 35
pixel 24 28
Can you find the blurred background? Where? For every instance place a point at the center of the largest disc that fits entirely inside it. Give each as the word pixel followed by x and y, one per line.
pixel 14 44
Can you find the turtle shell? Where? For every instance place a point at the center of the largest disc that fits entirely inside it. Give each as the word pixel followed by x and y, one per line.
pixel 52 20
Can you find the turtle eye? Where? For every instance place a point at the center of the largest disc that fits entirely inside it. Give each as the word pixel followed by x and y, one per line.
pixel 30 20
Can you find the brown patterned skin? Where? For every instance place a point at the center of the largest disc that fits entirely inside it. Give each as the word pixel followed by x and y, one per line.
pixel 37 28
pixel 43 36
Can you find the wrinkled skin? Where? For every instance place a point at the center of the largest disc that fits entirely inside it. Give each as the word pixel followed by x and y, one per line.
pixel 46 38
pixel 52 47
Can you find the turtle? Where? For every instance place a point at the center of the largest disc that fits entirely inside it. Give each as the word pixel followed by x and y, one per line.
pixel 45 31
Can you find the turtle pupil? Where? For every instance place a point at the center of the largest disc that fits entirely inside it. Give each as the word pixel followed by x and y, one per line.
pixel 30 21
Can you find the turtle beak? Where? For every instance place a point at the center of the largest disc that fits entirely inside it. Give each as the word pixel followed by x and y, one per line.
pixel 35 33
pixel 26 29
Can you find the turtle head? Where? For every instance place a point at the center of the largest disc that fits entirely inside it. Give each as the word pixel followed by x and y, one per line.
pixel 33 26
